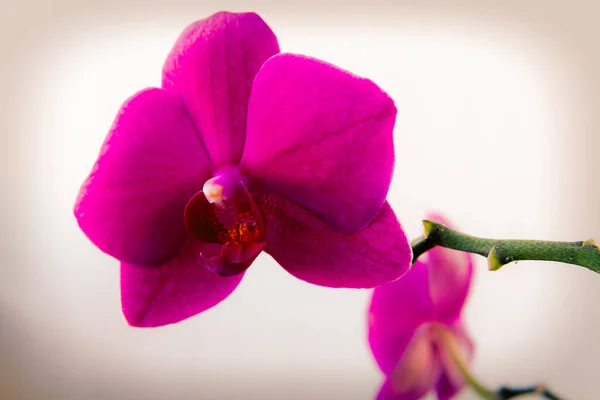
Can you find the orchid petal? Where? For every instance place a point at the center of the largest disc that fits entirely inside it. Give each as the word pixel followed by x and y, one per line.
pixel 397 309
pixel 451 381
pixel 314 252
pixel 131 205
pixel 387 392
pixel 176 290
pixel 450 274
pixel 446 388
pixel 417 371
pixel 212 66
pixel 321 137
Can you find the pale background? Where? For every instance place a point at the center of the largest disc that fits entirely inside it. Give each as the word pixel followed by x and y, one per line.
pixel 497 127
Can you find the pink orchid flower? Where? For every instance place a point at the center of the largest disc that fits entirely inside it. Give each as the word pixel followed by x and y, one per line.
pixel 243 150
pixel 415 325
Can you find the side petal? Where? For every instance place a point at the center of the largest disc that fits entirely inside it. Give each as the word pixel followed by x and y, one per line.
pixel 450 274
pixel 396 310
pixel 314 252
pixel 131 205
pixel 178 289
pixel 321 137
pixel 212 66
pixel 417 371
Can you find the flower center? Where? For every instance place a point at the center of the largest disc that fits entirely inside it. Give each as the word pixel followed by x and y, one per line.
pixel 224 212
pixel 235 225
pixel 239 233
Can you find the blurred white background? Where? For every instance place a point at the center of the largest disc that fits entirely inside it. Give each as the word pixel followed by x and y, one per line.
pixel 496 128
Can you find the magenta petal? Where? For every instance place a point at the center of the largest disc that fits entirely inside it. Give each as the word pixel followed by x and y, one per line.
pixel 418 370
pixel 450 274
pixel 314 252
pixel 446 388
pixel 212 66
pixel 321 137
pixel 387 392
pixel 176 290
pixel 397 309
pixel 451 381
pixel 131 205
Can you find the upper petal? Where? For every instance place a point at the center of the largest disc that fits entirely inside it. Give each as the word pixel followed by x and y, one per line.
pixel 314 252
pixel 322 137
pixel 178 289
pixel 450 274
pixel 131 205
pixel 212 66
pixel 396 310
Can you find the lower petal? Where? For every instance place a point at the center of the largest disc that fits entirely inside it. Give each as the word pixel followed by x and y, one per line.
pixel 451 381
pixel 417 371
pixel 387 392
pixel 312 251
pixel 446 388
pixel 177 290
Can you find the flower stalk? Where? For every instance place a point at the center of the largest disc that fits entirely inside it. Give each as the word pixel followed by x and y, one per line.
pixel 504 392
pixel 462 367
pixel 502 252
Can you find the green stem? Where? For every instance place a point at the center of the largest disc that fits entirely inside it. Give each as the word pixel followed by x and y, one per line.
pixel 502 252
pixel 469 378
pixel 504 392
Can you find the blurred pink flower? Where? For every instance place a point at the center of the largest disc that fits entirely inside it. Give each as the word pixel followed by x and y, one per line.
pixel 259 151
pixel 412 322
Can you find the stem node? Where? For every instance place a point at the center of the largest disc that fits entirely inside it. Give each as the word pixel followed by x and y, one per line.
pixel 494 262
